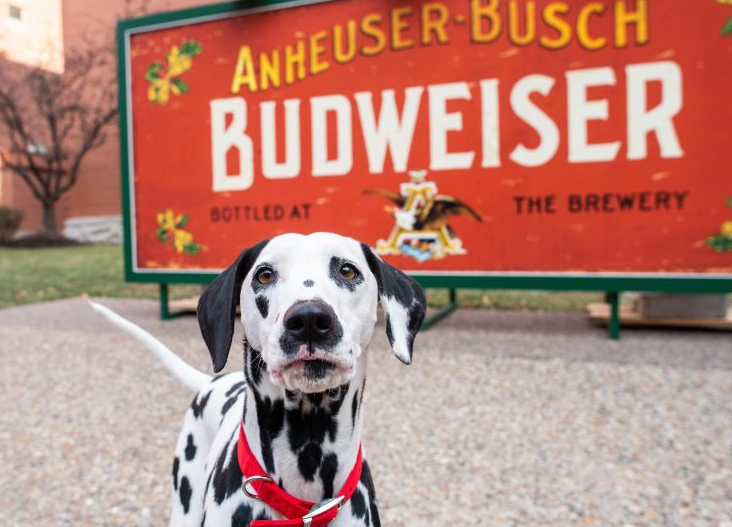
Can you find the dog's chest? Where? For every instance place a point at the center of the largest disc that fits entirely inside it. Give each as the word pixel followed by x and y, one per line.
pixel 298 446
pixel 237 510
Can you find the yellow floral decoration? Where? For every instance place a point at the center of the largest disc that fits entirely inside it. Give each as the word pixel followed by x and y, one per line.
pixel 165 79
pixel 170 230
pixel 722 242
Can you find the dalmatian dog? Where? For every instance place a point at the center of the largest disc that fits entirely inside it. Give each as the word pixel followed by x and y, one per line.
pixel 308 309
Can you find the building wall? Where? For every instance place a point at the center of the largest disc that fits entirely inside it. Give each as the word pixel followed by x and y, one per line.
pixel 81 23
pixel 31 33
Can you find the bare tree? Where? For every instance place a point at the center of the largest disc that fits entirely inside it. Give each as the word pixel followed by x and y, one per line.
pixel 51 121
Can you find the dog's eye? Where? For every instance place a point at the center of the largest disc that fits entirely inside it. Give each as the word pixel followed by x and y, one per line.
pixel 265 276
pixel 348 272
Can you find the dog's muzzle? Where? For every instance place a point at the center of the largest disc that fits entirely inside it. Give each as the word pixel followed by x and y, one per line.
pixel 310 322
pixel 310 357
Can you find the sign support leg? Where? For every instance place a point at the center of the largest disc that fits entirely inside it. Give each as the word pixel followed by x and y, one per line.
pixel 613 326
pixel 442 312
pixel 164 307
pixel 165 313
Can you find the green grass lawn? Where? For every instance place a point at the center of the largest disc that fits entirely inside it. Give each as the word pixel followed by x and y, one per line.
pixel 37 275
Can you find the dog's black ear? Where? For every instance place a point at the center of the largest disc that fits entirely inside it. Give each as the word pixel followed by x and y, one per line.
pixel 217 306
pixel 403 302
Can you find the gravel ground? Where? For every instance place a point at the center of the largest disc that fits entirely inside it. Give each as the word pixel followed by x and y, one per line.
pixel 504 418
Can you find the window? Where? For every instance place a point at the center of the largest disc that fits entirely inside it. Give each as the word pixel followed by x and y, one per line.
pixel 15 12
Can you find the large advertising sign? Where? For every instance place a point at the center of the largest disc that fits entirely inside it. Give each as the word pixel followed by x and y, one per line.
pixel 462 137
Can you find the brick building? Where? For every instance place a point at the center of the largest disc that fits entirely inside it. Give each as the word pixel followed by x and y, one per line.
pixel 38 33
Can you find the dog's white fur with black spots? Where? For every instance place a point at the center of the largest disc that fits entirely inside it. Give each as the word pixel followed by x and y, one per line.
pixel 308 307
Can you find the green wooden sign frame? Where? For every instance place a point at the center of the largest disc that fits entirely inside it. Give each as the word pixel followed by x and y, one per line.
pixel 611 283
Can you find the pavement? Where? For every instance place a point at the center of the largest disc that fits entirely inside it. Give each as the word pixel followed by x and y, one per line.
pixel 503 419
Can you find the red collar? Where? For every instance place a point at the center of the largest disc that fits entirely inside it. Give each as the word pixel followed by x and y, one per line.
pixel 298 512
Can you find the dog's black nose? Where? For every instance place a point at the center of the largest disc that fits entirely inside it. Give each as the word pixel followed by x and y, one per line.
pixel 309 321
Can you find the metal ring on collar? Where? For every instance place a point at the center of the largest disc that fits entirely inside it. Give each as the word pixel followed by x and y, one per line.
pixel 253 478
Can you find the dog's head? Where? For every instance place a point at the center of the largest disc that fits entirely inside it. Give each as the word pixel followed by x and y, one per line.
pixel 308 304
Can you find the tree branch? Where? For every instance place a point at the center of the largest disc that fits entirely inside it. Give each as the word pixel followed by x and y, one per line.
pixel 90 142
pixel 21 172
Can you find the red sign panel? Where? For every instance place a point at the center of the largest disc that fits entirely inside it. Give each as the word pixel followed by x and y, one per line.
pixel 459 136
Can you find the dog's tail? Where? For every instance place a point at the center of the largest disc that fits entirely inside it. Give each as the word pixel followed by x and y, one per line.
pixel 184 372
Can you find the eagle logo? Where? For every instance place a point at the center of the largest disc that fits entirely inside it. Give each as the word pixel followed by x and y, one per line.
pixel 421 229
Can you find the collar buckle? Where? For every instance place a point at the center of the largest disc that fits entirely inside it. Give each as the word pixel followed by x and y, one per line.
pixel 320 508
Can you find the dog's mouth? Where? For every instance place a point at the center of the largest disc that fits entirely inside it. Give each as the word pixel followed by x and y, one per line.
pixel 313 367
pixel 308 369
